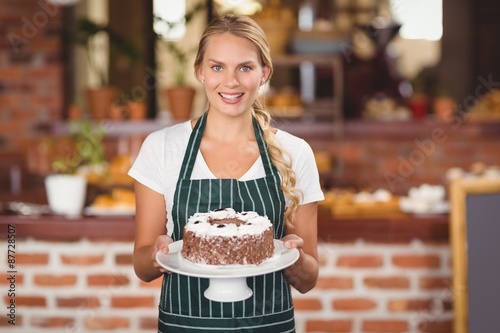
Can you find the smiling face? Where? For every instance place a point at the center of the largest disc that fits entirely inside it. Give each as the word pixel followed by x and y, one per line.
pixel 232 72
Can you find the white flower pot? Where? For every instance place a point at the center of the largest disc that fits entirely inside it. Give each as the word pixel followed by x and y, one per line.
pixel 66 194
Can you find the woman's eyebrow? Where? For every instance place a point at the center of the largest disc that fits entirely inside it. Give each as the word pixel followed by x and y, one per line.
pixel 247 62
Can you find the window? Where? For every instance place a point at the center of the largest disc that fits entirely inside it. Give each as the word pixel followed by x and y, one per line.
pixel 169 18
pixel 420 19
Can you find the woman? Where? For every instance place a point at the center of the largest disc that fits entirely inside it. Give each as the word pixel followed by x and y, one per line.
pixel 227 158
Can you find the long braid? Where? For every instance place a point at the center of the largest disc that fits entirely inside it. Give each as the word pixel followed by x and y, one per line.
pixel 284 167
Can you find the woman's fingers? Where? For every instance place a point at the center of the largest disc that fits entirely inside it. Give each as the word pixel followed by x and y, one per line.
pixel 292 241
pixel 161 244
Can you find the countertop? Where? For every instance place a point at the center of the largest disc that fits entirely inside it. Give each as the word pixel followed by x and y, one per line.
pixel 404 229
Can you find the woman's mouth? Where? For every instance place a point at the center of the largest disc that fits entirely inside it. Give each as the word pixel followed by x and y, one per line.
pixel 231 97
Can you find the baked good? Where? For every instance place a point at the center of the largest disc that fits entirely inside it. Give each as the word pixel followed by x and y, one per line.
pixel 227 237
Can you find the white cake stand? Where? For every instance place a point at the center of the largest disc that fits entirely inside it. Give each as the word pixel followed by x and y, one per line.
pixel 226 283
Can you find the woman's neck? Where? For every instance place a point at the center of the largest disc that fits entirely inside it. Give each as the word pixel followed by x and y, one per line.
pixel 229 129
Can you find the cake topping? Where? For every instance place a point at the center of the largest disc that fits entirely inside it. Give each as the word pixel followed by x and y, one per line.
pixel 227 222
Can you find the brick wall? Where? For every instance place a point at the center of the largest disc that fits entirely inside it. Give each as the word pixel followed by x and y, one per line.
pixel 91 287
pixel 397 156
pixel 31 75
pixel 31 68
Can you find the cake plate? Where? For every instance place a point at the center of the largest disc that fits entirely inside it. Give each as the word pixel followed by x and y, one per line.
pixel 226 283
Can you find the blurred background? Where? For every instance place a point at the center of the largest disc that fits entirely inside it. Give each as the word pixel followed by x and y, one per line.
pixel 396 97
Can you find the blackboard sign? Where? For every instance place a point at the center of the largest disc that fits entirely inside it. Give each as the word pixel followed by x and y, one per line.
pixel 475 240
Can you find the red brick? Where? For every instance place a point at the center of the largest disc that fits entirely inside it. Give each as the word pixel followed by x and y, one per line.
pixel 4 321
pixel 44 73
pixel 124 259
pixel 435 283
pixel 354 304
pixel 52 322
pixel 335 283
pixel 106 323
pixel 55 280
pixel 78 302
pixel 32 259
pixel 29 301
pixel 329 326
pixel 307 304
pixel 83 260
pixel 432 326
pixel 387 282
pixel 416 261
pixel 365 261
pixel 4 279
pixel 149 323
pixel 400 305
pixel 385 326
pixel 132 302
pixel 107 280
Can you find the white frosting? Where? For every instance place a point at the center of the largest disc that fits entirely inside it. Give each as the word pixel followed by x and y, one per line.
pixel 253 223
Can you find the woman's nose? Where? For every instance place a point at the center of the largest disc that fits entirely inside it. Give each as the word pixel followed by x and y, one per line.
pixel 231 80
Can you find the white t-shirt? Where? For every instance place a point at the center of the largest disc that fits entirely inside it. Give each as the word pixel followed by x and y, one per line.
pixel 159 162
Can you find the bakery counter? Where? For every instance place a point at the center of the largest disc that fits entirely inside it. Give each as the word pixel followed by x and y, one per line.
pixel 401 229
pixel 58 228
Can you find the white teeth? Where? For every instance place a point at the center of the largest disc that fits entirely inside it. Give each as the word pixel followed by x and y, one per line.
pixel 231 97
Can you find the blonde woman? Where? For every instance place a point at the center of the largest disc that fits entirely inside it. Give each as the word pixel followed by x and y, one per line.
pixel 231 146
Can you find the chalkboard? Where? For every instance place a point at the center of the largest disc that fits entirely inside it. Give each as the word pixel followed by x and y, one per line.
pixel 475 240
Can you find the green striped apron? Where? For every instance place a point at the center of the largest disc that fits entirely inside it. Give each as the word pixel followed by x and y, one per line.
pixel 183 307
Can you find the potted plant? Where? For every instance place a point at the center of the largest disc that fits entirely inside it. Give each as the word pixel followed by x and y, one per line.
pixel 179 95
pixel 101 98
pixel 443 104
pixel 73 159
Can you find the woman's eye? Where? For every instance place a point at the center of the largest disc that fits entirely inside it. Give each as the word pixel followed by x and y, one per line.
pixel 217 68
pixel 245 69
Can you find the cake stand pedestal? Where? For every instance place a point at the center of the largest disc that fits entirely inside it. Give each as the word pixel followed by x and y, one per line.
pixel 228 289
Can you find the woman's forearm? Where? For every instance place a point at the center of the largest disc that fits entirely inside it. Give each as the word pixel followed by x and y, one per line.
pixel 143 265
pixel 303 275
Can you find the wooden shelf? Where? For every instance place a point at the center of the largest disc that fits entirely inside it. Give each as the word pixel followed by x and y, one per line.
pixel 379 230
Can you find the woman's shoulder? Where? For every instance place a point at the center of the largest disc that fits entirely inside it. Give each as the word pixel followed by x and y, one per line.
pixel 171 133
pixel 288 139
pixel 297 148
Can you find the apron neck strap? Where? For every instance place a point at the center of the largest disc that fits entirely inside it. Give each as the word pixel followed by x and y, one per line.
pixel 194 145
pixel 264 151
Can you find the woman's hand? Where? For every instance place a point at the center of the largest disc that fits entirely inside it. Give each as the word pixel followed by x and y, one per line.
pixel 303 273
pixel 150 232
pixel 161 244
pixel 292 241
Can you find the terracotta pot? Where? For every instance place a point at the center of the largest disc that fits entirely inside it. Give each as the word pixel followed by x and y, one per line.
pixel 444 108
pixel 180 100
pixel 100 101
pixel 137 110
pixel 118 111
pixel 75 112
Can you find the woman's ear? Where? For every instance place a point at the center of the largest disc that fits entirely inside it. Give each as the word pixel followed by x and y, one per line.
pixel 266 71
pixel 199 74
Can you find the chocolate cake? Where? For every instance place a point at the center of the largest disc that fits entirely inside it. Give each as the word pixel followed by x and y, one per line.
pixel 226 237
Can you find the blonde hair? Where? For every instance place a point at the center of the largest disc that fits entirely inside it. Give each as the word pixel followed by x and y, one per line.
pixel 245 27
